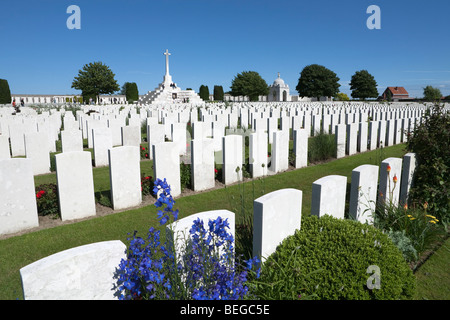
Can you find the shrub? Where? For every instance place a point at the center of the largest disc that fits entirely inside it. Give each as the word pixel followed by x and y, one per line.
pixel 430 141
pixel 185 175
pixel 47 200
pixel 321 147
pixel 5 93
pixel 146 185
pixel 144 153
pixel 332 258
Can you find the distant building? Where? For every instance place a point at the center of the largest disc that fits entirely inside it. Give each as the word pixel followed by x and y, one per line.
pixel 396 93
pixel 279 90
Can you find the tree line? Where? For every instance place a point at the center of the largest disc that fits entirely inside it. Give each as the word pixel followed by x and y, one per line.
pixel 315 80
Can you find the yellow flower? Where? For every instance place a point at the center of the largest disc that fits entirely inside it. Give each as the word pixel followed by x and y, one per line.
pixel 432 221
pixel 409 216
pixel 430 216
pixel 412 218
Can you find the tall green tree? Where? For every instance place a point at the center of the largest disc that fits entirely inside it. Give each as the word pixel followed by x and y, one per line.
pixel 431 94
pixel 317 81
pixel 94 79
pixel 218 93
pixel 203 92
pixel 249 83
pixel 130 91
pixel 5 93
pixel 363 85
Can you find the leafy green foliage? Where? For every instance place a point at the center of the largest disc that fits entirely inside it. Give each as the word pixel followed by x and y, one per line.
pixel 47 200
pixel 95 79
pixel 317 81
pixel 218 93
pixel 363 85
pixel 431 94
pixel 130 90
pixel 341 97
pixel 249 83
pixel 430 141
pixel 321 147
pixel 203 92
pixel 329 259
pixel 5 93
pixel 185 175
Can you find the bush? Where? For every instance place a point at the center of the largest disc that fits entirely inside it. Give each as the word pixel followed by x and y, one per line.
pixel 430 141
pixel 146 185
pixel 47 200
pixel 321 147
pixel 332 259
pixel 5 93
pixel 185 175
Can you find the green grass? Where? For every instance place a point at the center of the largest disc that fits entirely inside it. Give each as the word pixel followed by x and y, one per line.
pixel 433 278
pixel 16 252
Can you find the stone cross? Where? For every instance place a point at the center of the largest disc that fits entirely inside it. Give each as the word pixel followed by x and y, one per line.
pixel 167 54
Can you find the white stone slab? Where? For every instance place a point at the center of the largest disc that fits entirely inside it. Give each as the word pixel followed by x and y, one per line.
pixel 166 164
pixel 125 176
pixel 178 231
pixel 131 136
pixel 75 185
pixel 71 140
pixel 328 196
pixel 102 142
pixel 301 148
pixel 37 149
pixel 363 193
pixel 258 153
pixel 81 273
pixel 340 136
pixel 280 151
pixel 388 191
pixel 202 164
pixel 232 159
pixel 409 168
pixel 276 216
pixel 18 209
pixel 5 152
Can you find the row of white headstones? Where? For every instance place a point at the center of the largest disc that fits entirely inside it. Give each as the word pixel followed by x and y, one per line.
pixel 87 272
pixel 74 166
pixel 74 176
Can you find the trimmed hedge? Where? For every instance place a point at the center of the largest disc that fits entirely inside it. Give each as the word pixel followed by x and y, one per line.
pixel 5 93
pixel 332 259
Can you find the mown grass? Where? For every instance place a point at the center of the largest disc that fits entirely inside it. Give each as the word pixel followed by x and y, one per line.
pixel 16 252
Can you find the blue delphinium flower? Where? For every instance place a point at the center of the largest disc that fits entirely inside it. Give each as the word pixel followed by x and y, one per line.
pixel 206 270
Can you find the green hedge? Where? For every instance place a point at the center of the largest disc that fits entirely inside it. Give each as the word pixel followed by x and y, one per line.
pixel 333 259
pixel 5 93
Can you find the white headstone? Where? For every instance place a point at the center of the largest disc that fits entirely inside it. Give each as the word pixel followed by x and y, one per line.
pixel 388 190
pixel 18 209
pixel 75 185
pixel 125 176
pixel 363 193
pixel 71 140
pixel 409 167
pixel 202 163
pixel 36 149
pixel 232 159
pixel 301 148
pixel 102 142
pixel 81 273
pixel 166 164
pixel 328 196
pixel 276 216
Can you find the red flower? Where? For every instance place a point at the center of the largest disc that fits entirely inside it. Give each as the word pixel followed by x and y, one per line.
pixel 40 194
pixel 395 179
pixel 388 168
pixel 215 170
pixel 146 155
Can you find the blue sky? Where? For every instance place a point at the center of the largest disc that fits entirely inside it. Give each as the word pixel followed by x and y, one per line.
pixel 211 41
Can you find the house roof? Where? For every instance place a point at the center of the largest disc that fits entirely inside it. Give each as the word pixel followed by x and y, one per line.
pixel 398 90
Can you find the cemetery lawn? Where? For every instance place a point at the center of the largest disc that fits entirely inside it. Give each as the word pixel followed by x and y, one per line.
pixel 19 251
